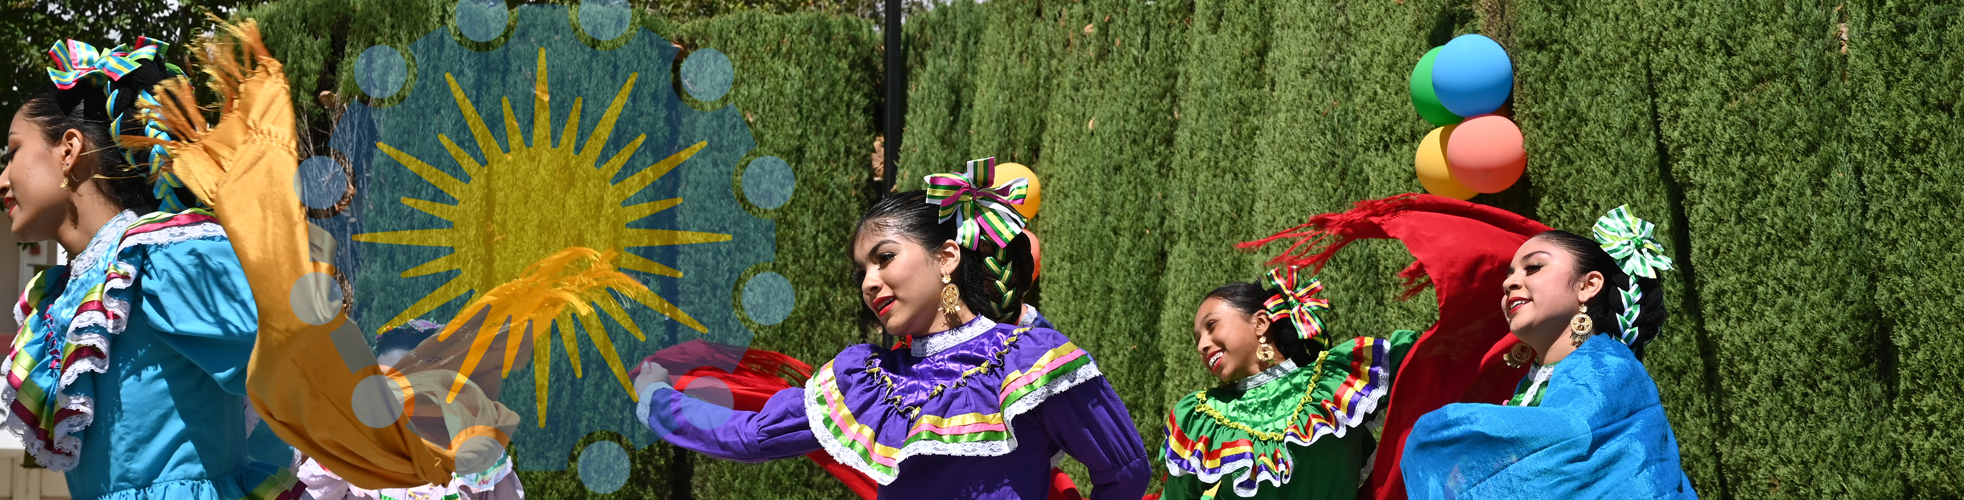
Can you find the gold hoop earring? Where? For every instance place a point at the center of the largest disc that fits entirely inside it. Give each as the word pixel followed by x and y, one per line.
pixel 64 184
pixel 951 298
pixel 1266 353
pixel 1518 356
pixel 1581 326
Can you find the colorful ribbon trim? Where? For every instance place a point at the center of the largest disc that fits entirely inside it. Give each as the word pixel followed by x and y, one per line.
pixel 75 61
pixel 1297 301
pixel 982 210
pixel 1632 242
pixel 858 444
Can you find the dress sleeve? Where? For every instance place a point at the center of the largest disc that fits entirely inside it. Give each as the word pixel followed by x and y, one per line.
pixel 779 430
pixel 195 295
pixel 1091 424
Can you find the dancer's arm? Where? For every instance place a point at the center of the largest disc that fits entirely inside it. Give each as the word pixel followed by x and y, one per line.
pixel 779 430
pixel 196 296
pixel 1091 424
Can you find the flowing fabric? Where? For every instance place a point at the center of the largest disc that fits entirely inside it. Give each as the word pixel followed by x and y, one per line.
pixel 1462 250
pixel 1599 433
pixel 243 166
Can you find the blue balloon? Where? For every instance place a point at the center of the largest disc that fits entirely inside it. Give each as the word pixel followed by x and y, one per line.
pixel 1472 75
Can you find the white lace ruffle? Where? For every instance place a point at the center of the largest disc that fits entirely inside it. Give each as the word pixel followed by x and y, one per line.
pixel 816 414
pixel 173 235
pixel 1265 376
pixel 104 239
pixel 934 344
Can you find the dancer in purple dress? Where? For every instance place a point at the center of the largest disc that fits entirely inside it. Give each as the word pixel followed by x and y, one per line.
pixel 972 407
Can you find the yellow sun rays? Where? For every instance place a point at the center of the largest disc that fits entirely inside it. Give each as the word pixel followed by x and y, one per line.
pixel 541 243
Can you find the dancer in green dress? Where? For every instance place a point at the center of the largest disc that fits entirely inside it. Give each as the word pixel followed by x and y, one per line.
pixel 1289 400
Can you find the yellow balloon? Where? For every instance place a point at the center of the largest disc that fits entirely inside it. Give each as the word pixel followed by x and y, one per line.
pixel 1431 162
pixel 1006 172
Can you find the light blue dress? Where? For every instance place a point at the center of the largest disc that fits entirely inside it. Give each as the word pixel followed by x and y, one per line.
pixel 1600 432
pixel 154 325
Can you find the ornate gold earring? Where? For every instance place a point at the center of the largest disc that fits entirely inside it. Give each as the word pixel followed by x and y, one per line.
pixel 1580 326
pixel 951 298
pixel 1265 353
pixel 1519 356
pixel 64 177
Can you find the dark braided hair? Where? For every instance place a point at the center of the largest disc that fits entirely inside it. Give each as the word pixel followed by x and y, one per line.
pixel 1250 298
pixel 992 283
pixel 84 108
pixel 1608 303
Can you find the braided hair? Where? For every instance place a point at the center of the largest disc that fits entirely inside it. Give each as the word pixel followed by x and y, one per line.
pixel 992 282
pixel 86 109
pixel 1608 303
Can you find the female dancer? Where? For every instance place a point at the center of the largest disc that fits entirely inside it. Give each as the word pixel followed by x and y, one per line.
pixel 1586 422
pixel 1460 250
pixel 972 408
pixel 130 365
pixel 1288 401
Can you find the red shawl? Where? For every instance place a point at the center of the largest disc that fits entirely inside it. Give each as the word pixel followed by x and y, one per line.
pixel 1462 249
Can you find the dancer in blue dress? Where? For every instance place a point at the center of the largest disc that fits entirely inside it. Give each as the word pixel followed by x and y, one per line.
pixel 1586 421
pixel 128 373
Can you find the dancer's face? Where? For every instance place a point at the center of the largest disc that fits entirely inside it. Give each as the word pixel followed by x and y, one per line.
pixel 1225 338
pixel 901 278
pixel 1543 289
pixel 30 183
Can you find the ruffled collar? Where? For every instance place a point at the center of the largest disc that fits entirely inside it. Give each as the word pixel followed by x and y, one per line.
pixel 105 238
pixel 1239 433
pixel 872 408
pixel 1269 375
pixel 940 342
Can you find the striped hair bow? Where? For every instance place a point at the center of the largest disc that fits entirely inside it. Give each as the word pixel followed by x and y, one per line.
pixel 75 61
pixel 983 211
pixel 1297 301
pixel 1632 242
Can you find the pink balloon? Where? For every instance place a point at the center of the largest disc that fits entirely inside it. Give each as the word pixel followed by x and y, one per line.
pixel 1486 154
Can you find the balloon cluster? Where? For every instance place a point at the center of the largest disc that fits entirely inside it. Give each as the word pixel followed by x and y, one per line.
pixel 1459 87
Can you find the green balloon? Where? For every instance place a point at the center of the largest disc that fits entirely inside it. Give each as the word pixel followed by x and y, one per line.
pixel 1424 98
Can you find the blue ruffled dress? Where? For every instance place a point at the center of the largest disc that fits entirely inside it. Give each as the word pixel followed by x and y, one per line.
pixel 1598 432
pixel 129 370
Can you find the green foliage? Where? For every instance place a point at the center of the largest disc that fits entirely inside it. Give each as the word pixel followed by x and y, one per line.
pixel 1108 151
pixel 941 51
pixel 805 84
pixel 1222 95
pixel 1904 144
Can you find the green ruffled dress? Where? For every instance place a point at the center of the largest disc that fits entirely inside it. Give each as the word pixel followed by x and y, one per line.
pixel 1250 438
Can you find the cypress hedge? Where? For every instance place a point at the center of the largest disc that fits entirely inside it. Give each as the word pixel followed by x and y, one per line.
pixel 1904 145
pixel 804 82
pixel 1753 111
pixel 1222 95
pixel 1104 163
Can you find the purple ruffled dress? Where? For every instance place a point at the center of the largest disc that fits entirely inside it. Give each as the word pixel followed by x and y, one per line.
pixel 1011 402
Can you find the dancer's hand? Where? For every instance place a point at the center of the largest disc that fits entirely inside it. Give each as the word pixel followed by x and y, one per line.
pixel 651 372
